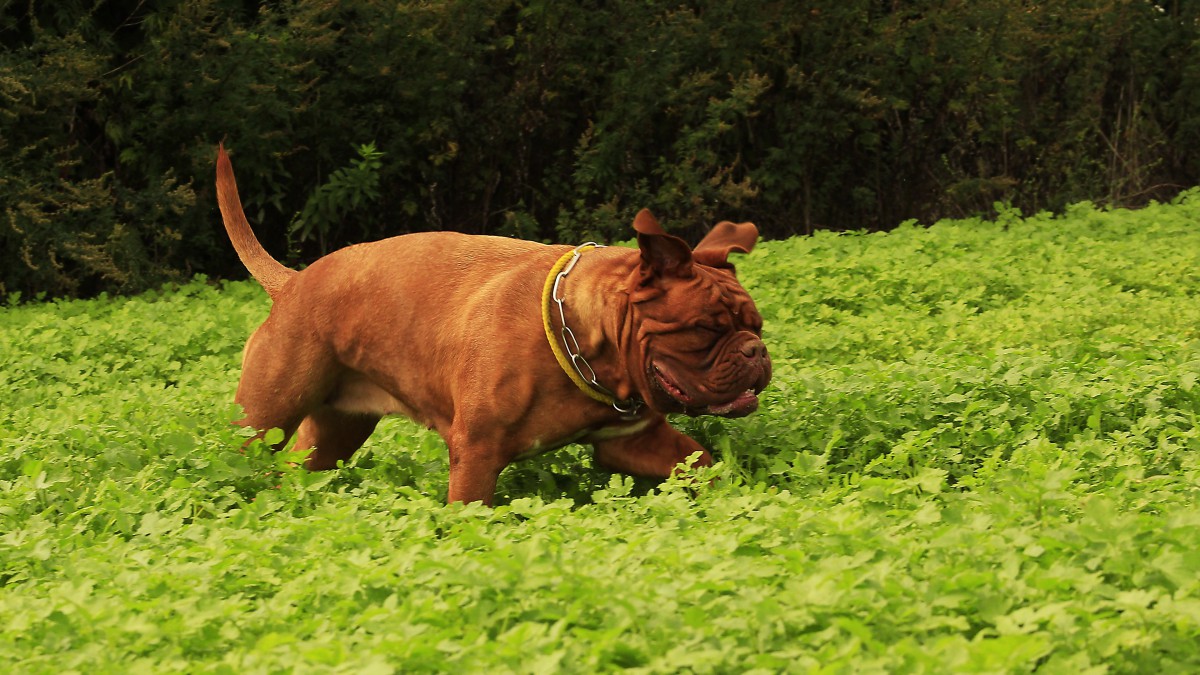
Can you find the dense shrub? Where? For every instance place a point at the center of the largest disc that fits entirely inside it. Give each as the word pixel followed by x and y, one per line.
pixel 559 120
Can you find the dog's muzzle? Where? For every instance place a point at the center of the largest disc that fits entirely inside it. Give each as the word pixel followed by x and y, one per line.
pixel 753 369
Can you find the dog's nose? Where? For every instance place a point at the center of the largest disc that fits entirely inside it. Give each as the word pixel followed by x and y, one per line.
pixel 753 349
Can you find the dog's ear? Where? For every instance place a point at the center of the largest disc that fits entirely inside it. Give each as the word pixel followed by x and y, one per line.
pixel 662 254
pixel 723 239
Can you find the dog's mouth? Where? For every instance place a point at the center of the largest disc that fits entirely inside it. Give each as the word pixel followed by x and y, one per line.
pixel 741 404
pixel 744 404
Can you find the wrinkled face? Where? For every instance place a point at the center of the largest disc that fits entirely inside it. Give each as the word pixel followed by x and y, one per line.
pixel 700 339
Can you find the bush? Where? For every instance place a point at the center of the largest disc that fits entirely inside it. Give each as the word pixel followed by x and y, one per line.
pixel 560 120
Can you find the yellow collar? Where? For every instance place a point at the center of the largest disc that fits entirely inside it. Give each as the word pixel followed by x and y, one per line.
pixel 566 351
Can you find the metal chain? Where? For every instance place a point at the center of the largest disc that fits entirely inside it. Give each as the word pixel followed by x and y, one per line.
pixel 571 345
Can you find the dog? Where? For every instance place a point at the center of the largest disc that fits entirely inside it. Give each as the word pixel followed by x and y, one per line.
pixel 507 348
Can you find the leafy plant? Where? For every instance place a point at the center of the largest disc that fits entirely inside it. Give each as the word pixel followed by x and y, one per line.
pixel 979 452
pixel 347 190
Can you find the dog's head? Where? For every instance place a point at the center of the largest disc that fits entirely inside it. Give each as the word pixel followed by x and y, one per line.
pixel 697 335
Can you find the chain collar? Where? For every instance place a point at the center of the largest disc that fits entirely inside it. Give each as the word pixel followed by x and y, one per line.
pixel 568 354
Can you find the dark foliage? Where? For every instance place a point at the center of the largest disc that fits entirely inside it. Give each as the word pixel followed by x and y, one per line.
pixel 557 121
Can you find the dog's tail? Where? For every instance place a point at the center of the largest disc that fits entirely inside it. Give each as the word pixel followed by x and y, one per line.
pixel 265 269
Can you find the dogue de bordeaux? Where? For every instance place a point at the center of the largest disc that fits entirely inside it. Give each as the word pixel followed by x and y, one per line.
pixel 507 348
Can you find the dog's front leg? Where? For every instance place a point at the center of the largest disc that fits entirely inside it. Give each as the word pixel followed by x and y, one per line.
pixel 654 452
pixel 472 478
pixel 475 464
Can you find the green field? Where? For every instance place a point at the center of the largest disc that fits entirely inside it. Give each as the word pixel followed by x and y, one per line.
pixel 979 453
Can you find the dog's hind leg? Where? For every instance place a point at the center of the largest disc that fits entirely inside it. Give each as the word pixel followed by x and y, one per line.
pixel 283 379
pixel 333 435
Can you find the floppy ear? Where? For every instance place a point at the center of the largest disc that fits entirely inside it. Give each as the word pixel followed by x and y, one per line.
pixel 723 239
pixel 662 254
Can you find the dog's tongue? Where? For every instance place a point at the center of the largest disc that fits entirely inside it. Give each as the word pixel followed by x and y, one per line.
pixel 744 404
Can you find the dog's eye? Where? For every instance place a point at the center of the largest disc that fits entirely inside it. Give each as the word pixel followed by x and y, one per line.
pixel 698 338
pixel 713 331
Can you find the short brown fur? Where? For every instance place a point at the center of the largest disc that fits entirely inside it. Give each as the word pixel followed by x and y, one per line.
pixel 447 329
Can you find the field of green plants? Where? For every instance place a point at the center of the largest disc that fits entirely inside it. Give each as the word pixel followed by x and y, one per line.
pixel 979 453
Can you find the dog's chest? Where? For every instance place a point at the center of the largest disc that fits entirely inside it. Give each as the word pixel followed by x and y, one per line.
pixel 588 435
pixel 357 394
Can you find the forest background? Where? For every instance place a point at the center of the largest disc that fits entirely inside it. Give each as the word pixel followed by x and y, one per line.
pixel 352 120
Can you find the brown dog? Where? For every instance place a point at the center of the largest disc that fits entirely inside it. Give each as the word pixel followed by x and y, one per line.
pixel 461 333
